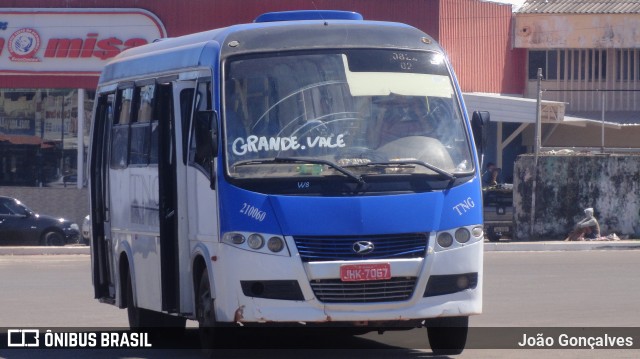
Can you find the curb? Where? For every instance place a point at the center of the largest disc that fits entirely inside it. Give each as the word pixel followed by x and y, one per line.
pixel 40 251
pixel 539 246
pixel 543 246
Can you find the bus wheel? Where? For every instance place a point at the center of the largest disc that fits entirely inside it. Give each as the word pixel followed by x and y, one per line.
pixel 205 313
pixel 140 318
pixel 447 335
pixel 135 315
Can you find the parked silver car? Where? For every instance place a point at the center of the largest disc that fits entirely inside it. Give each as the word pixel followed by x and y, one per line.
pixel 86 230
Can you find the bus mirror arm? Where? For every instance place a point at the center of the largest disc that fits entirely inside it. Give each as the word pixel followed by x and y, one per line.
pixel 479 125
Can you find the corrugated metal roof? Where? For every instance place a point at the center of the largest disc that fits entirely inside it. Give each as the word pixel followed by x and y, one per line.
pixel 580 7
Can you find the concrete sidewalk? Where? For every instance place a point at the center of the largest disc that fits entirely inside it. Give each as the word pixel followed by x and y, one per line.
pixel 503 246
pixel 41 250
pixel 541 246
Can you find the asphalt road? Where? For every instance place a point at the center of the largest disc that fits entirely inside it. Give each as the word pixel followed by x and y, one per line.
pixel 530 290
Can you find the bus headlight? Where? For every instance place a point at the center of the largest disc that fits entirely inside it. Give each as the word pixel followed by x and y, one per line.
pixel 445 239
pixel 233 237
pixel 275 244
pixel 255 241
pixel 458 237
pixel 462 235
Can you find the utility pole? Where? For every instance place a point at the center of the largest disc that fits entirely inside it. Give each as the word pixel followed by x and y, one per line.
pixel 602 128
pixel 537 145
pixel 80 168
pixel 61 169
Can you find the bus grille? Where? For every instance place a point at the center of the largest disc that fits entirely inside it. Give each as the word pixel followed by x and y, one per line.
pixel 336 291
pixel 319 248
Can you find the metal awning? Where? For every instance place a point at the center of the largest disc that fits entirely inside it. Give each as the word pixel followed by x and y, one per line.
pixel 25 140
pixel 560 129
pixel 513 109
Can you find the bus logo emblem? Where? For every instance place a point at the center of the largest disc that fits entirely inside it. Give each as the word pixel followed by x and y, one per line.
pixel 363 247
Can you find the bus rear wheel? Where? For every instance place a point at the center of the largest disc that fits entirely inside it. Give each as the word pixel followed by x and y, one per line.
pixel 205 313
pixel 140 318
pixel 447 335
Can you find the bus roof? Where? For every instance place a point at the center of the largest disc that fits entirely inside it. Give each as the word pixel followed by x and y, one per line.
pixel 199 49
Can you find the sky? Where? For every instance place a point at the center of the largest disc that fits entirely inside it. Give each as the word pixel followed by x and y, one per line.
pixel 517 3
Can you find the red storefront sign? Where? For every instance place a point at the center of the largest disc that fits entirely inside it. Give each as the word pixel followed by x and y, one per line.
pixel 68 41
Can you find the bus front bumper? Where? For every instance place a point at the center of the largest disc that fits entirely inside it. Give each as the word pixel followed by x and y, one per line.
pixel 292 298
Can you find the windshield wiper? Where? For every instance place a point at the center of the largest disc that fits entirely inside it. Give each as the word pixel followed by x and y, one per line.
pixel 306 160
pixel 450 176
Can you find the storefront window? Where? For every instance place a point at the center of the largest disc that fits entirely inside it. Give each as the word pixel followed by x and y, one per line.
pixel 39 136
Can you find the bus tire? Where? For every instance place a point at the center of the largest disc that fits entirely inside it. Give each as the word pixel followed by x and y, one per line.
pixel 140 318
pixel 205 313
pixel 447 335
pixel 136 316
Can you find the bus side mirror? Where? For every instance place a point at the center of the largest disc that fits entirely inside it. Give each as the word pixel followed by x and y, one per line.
pixel 206 134
pixel 479 125
pixel 206 123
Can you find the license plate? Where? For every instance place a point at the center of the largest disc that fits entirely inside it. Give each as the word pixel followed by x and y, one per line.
pixel 501 229
pixel 365 272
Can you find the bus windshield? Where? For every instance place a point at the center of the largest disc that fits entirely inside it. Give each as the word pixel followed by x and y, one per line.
pixel 351 113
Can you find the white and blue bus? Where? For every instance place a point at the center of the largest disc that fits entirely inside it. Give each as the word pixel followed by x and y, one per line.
pixel 310 167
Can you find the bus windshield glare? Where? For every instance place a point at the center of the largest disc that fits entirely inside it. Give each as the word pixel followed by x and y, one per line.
pixel 354 113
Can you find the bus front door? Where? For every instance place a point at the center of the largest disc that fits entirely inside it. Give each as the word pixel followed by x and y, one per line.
pixel 155 257
pixel 101 246
pixel 168 209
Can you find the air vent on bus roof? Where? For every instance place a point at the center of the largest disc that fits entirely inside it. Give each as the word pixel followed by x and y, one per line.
pixel 308 15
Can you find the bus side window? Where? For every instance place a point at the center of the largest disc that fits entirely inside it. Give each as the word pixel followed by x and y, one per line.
pixel 186 104
pixel 120 129
pixel 141 126
pixel 153 156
